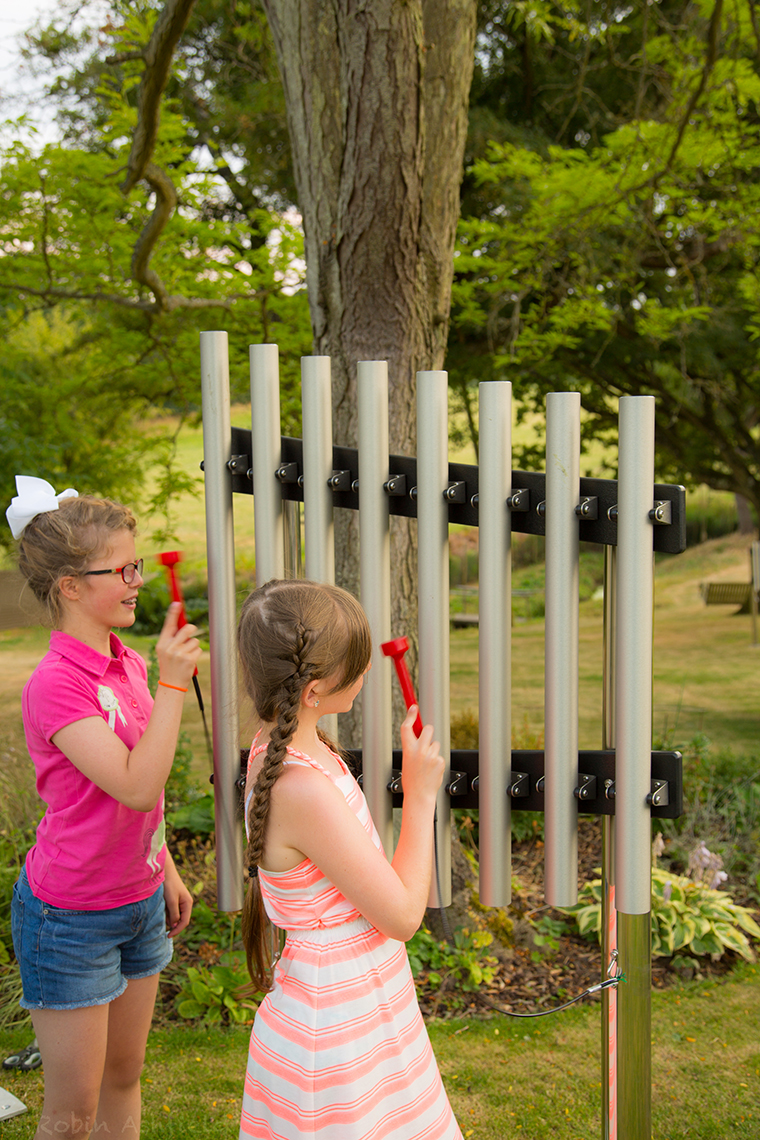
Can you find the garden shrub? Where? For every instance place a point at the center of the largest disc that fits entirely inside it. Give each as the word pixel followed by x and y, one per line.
pixel 687 916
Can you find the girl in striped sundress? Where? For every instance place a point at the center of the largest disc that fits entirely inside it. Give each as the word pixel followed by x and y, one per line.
pixel 338 1050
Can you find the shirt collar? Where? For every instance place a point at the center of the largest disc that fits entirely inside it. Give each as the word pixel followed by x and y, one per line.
pixel 85 657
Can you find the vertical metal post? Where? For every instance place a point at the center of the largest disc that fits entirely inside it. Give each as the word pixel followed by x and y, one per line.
pixel 319 531
pixel 375 570
pixel 433 593
pixel 563 448
pixel 633 710
pixel 220 544
pixel 266 457
pixel 495 641
pixel 317 468
pixel 609 911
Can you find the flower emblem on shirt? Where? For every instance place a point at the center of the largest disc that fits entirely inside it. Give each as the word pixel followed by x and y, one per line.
pixel 109 703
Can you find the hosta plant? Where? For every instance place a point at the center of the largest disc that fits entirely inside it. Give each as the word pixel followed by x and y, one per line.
pixel 217 994
pixel 686 916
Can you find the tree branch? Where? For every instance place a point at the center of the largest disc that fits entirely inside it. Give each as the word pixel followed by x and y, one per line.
pixel 158 58
pixel 166 200
pixel 173 302
pixel 712 54
pixel 693 252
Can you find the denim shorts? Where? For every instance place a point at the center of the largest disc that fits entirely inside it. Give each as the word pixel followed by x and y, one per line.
pixel 75 958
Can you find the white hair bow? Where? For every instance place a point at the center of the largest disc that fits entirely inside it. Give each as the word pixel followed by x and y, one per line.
pixel 35 496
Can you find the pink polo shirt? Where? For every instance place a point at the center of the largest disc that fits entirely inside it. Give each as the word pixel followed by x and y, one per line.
pixel 91 852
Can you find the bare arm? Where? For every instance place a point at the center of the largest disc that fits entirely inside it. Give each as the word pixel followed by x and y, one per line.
pixel 136 779
pixel 177 898
pixel 392 896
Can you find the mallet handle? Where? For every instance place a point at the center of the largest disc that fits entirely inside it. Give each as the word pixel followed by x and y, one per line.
pixel 407 689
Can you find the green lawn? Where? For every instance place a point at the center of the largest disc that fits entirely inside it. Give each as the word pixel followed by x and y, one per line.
pixel 506 1078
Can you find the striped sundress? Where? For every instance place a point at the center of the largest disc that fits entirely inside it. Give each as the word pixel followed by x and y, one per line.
pixel 339 1050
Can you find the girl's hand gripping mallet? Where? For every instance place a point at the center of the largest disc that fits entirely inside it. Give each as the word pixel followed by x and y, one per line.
pixel 396 649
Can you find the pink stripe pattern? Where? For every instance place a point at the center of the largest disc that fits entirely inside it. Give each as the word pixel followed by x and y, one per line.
pixel 339 1050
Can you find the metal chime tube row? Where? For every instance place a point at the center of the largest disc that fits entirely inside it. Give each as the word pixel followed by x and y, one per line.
pixel 433 594
pixel 266 458
pixel 561 647
pixel 375 571
pixel 495 642
pixel 220 545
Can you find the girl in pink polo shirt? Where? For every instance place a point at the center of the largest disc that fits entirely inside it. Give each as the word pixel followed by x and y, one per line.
pixel 99 889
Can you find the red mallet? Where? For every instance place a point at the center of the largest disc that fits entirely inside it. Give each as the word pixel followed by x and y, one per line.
pixel 396 649
pixel 169 561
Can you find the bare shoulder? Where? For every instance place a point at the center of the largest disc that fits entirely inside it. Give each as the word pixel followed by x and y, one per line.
pixel 297 785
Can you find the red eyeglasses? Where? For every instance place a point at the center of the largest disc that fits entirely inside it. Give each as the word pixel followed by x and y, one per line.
pixel 128 572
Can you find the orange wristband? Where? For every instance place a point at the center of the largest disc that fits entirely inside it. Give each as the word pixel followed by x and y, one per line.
pixel 177 687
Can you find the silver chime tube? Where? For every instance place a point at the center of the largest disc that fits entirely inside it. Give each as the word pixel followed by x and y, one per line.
pixel 633 672
pixel 319 535
pixel 609 911
pixel 433 595
pixel 495 641
pixel 220 545
pixel 633 711
pixel 563 445
pixel 266 458
pixel 375 570
pixel 319 530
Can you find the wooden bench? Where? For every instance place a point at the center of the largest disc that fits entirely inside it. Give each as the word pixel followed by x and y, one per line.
pixel 728 594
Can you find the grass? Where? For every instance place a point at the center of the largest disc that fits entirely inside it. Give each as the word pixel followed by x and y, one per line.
pixel 505 1078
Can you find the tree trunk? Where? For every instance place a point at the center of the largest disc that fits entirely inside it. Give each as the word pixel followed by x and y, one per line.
pixel 744 513
pixel 377 98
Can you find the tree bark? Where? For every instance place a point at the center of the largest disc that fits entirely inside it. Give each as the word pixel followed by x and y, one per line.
pixel 377 97
pixel 744 514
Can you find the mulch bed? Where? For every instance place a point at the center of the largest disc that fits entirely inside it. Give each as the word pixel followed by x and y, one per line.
pixel 529 979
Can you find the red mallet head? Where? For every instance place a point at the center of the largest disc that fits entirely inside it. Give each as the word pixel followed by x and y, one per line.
pixel 396 650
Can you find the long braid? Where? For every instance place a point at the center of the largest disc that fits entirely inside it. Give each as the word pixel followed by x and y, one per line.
pixel 254 919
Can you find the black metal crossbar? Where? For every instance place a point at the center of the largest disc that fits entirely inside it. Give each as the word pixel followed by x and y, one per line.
pixel 597 522
pixel 595 790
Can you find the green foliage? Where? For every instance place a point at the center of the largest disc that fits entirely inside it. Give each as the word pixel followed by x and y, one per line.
pixel 464 961
pixel 547 932
pixel 609 241
pixel 211 926
pixel 687 917
pixel 153 602
pixel 218 994
pixel 107 350
pixel 722 811
pixel 709 515
pixel 195 814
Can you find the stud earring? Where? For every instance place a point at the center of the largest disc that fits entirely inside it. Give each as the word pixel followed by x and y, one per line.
pixel 316 702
